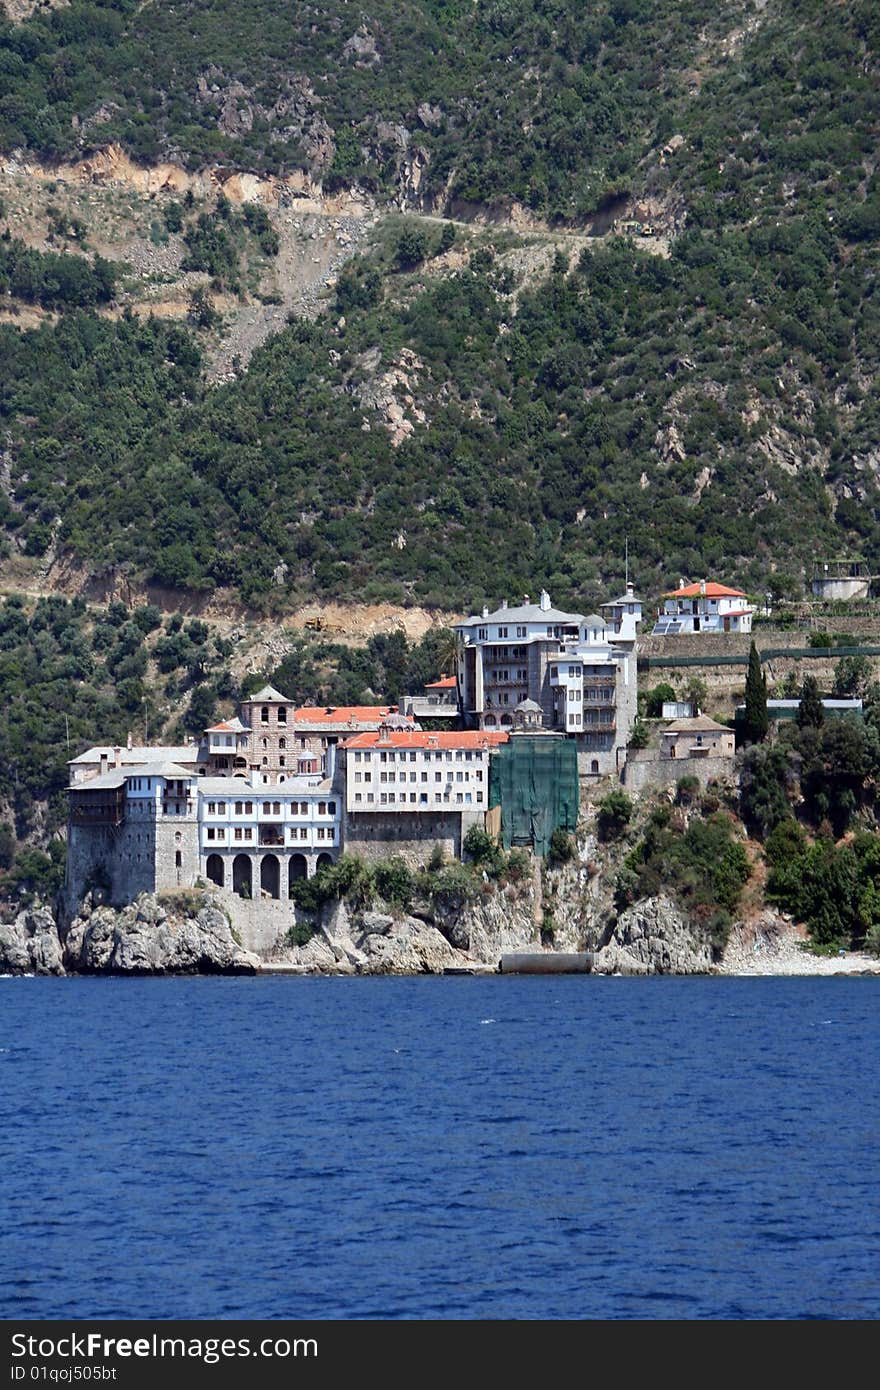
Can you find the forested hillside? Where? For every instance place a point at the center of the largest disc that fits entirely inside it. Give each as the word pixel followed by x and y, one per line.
pixel 706 390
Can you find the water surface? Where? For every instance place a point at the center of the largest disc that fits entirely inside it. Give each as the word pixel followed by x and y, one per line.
pixel 572 1147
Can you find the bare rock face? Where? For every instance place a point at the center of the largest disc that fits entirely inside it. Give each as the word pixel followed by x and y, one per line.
pixel 150 938
pixel 30 945
pixel 653 938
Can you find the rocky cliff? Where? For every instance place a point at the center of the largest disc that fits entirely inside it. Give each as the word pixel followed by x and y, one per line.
pixel 190 933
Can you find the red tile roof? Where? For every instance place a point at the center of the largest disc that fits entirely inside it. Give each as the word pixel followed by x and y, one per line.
pixel 447 683
pixel 461 738
pixel 221 728
pixel 712 590
pixel 341 714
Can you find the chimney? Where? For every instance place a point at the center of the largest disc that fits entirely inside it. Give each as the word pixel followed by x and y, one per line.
pixel 526 600
pixel 117 756
pixel 630 589
pixel 545 601
pixel 128 741
pixel 703 588
pixel 485 611
pixel 504 603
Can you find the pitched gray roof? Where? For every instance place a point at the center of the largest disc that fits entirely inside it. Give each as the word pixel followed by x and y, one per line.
pixel 699 723
pixel 523 613
pixel 182 753
pixel 267 696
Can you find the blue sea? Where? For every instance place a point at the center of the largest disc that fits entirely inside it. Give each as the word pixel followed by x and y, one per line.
pixel 575 1147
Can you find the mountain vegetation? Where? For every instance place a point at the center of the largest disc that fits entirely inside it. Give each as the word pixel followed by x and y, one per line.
pixel 712 403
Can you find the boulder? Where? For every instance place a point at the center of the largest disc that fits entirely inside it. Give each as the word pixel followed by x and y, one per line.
pixel 148 938
pixel 30 945
pixel 654 934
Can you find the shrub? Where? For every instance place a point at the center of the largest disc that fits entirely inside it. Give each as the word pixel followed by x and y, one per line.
pixel 562 847
pixel 615 814
pixel 394 882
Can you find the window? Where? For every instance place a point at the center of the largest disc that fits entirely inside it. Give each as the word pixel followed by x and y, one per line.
pixel 248 834
pixel 358 796
pixel 237 833
pixel 438 776
pixel 502 632
pixel 264 743
pixel 210 808
pixel 320 832
pixel 331 808
pixel 554 673
pixel 358 777
pixel 267 808
pixel 264 715
pixel 276 808
pixel 322 808
pixel 303 833
pixel 282 762
pixel 482 634
pixel 520 632
pixel 212 833
pixel 221 834
pixel 459 776
pixel 238 808
pixel 479 796
pixel 221 808
pixel 282 715
pixel 304 808
pixel 412 757
pixel 412 797
pixel 424 776
pixel 249 808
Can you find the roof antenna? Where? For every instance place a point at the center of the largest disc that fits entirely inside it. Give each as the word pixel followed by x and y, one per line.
pixel 626 558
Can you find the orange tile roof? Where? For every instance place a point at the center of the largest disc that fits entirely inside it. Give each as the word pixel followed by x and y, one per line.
pixel 341 714
pixel 447 683
pixel 424 738
pixel 712 590
pixel 221 728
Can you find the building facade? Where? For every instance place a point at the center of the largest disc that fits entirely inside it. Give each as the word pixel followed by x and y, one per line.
pixel 158 826
pixel 407 791
pixel 579 669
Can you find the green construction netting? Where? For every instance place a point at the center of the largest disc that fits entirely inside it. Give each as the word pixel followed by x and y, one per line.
pixel 535 782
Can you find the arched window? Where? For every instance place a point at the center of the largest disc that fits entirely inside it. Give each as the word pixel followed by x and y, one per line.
pixel 594 765
pixel 282 743
pixel 264 714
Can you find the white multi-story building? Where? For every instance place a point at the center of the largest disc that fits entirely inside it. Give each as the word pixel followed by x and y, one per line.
pixel 703 607
pixel 580 670
pixel 408 789
pixel 159 825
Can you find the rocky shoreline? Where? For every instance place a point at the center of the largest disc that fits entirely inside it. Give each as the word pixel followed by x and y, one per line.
pixel 192 933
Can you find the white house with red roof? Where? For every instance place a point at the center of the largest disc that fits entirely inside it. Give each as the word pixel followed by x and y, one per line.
pixel 705 606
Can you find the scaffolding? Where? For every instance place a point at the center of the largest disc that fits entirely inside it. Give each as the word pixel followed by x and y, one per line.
pixel 534 781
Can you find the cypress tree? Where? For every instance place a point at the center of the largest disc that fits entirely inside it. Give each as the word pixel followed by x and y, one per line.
pixel 810 712
pixel 757 720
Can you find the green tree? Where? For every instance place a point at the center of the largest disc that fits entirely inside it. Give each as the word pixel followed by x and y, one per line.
pixel 615 814
pixel 811 714
pixel 756 721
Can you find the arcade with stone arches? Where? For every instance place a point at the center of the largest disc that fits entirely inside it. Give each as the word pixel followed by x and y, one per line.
pixel 258 876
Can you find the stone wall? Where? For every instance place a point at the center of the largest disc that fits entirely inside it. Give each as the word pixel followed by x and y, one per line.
pixel 644 769
pixel 412 836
